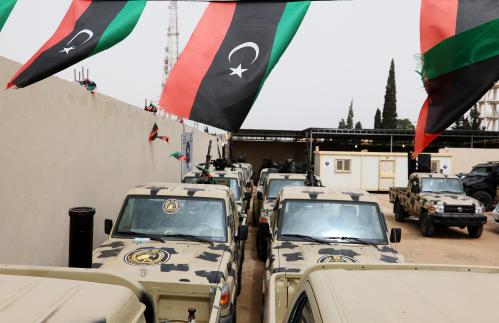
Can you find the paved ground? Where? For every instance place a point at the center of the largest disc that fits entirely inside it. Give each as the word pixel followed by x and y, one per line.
pixel 448 246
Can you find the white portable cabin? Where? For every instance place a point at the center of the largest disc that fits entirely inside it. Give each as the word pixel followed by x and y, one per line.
pixel 370 171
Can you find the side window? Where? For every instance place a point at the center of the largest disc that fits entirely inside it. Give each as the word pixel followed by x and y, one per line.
pixel 232 215
pixel 342 166
pixel 302 312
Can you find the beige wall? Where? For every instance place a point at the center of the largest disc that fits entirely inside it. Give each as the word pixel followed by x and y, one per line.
pixel 463 159
pixel 62 147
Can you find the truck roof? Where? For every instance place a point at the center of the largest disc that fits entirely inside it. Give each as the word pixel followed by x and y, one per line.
pixel 405 293
pixel 325 193
pixel 40 294
pixel 182 189
pixel 286 176
pixel 433 175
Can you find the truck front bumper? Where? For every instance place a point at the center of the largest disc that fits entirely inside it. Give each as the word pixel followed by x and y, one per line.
pixel 458 219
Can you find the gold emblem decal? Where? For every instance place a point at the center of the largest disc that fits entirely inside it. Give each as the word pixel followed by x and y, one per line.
pixel 147 257
pixel 171 206
pixel 335 259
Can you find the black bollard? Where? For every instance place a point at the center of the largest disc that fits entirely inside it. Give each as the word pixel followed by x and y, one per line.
pixel 81 231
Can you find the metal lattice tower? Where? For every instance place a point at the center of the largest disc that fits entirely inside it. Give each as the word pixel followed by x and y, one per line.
pixel 171 49
pixel 488 106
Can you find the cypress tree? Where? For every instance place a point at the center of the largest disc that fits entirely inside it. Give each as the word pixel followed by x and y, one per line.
pixel 358 126
pixel 390 106
pixel 377 120
pixel 475 118
pixel 349 123
pixel 342 124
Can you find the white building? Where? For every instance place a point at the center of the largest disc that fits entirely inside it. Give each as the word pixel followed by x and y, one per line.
pixel 370 171
pixel 488 107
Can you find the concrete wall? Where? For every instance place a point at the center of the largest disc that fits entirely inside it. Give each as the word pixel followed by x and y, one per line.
pixel 465 158
pixel 62 147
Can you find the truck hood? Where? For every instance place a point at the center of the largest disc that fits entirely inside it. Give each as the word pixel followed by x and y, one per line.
pixel 169 262
pixel 472 179
pixel 448 198
pixel 296 256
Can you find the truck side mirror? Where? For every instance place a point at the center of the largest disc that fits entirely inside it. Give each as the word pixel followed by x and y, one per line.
pixel 242 234
pixel 259 196
pixel 247 196
pixel 395 235
pixel 265 230
pixel 108 225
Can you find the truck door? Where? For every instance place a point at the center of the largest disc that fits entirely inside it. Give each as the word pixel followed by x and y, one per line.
pixel 412 192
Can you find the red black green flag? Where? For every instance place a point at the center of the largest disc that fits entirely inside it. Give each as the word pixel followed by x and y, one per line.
pixel 6 7
pixel 228 58
pixel 178 156
pixel 89 27
pixel 154 132
pixel 460 56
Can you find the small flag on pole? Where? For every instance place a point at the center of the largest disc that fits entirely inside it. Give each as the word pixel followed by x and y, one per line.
pixel 154 132
pixel 178 156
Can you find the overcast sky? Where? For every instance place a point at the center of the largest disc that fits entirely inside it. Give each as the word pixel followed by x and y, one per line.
pixel 341 52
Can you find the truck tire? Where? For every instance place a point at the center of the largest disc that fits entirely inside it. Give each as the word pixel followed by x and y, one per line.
pixel 427 225
pixel 485 198
pixel 399 213
pixel 475 231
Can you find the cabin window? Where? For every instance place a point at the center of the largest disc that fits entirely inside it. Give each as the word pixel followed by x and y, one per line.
pixel 435 166
pixel 302 312
pixel 343 165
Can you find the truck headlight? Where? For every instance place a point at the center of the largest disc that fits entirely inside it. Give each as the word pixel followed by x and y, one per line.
pixel 478 208
pixel 436 208
pixel 225 298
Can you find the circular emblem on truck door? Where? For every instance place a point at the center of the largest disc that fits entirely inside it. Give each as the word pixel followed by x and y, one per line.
pixel 147 257
pixel 335 258
pixel 459 209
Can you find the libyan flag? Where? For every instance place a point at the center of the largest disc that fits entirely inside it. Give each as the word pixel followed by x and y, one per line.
pixel 230 54
pixel 6 7
pixel 460 56
pixel 89 27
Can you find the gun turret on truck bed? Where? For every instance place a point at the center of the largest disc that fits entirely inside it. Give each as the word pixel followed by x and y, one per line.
pixel 437 199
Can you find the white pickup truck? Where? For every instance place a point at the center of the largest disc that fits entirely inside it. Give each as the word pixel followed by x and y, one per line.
pixel 347 292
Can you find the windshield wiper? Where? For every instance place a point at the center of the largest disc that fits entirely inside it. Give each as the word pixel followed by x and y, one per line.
pixel 361 241
pixel 304 237
pixel 145 235
pixel 190 237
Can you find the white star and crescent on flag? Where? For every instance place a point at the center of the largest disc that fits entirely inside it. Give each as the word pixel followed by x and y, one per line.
pixel 240 70
pixel 88 32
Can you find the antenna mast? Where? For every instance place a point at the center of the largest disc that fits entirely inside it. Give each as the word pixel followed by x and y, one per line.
pixel 171 49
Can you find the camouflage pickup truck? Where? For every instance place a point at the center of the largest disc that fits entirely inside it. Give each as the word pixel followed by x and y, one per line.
pixel 183 242
pixel 313 225
pixel 271 188
pixel 381 293
pixel 437 199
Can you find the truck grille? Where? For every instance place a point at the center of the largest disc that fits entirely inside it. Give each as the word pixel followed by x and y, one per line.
pixel 459 209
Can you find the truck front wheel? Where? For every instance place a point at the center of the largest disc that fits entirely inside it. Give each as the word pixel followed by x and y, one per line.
pixel 475 231
pixel 427 225
pixel 400 213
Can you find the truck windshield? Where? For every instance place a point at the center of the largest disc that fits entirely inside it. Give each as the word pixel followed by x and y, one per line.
pixel 327 219
pixel 229 182
pixel 441 185
pixel 174 216
pixel 263 176
pixel 275 186
pixel 481 171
